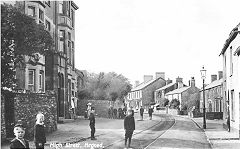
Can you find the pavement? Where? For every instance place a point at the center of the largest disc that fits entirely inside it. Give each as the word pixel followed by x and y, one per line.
pixel 218 137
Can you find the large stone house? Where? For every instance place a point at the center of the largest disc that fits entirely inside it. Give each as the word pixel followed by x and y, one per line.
pixel 184 94
pixel 213 94
pixel 231 79
pixel 143 94
pixel 57 71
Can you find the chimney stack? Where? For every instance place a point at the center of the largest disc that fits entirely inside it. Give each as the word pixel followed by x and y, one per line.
pixel 220 75
pixel 179 82
pixel 168 81
pixel 147 78
pixel 160 75
pixel 213 77
pixel 192 82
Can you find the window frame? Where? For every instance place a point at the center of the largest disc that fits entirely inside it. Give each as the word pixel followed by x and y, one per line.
pixel 31 86
pixel 34 11
pixel 46 24
pixel 41 15
pixel 40 80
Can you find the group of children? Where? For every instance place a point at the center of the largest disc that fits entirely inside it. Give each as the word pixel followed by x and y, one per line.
pixel 40 138
pixel 39 135
pixel 114 113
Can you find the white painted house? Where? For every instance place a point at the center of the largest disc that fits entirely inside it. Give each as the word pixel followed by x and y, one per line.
pixel 231 79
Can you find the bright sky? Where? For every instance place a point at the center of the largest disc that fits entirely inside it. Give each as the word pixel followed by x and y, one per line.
pixel 138 37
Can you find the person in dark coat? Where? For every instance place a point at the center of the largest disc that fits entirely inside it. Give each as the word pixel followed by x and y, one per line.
pixel 115 113
pixel 150 111
pixel 109 113
pixel 129 126
pixel 39 132
pixel 119 113
pixel 124 111
pixel 112 114
pixel 141 112
pixel 92 123
pixel 19 141
pixel 132 111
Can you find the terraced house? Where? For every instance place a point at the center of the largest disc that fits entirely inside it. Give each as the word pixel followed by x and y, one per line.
pixel 213 94
pixel 57 71
pixel 184 94
pixel 231 80
pixel 143 94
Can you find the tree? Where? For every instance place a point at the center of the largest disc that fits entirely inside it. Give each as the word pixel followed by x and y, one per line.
pixel 106 86
pixel 174 104
pixel 20 36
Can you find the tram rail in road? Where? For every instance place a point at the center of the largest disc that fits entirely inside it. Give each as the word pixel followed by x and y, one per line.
pixel 143 139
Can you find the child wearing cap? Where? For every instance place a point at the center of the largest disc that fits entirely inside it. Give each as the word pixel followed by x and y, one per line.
pixel 39 133
pixel 19 141
pixel 129 126
pixel 92 123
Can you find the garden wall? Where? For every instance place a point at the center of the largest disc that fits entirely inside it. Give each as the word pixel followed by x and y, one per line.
pixel 101 106
pixel 28 105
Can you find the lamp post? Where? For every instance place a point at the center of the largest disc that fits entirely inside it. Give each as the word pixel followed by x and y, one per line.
pixel 203 74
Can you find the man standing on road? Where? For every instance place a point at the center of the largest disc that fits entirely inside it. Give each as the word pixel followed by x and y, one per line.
pixel 150 111
pixel 129 126
pixel 92 123
pixel 141 112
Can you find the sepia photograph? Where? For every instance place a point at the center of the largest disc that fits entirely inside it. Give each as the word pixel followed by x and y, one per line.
pixel 120 74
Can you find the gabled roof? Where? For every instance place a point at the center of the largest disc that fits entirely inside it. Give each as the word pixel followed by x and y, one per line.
pixel 231 37
pixel 166 86
pixel 178 91
pixel 143 85
pixel 214 84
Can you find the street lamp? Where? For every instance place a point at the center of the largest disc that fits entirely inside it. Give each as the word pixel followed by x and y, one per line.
pixel 203 74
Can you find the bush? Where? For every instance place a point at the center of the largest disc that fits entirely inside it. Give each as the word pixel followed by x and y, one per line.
pixel 165 102
pixel 174 104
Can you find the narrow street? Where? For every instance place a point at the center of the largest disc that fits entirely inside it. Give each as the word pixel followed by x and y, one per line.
pixel 164 131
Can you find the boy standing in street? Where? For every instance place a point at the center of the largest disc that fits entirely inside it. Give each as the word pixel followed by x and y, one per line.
pixel 141 112
pixel 92 123
pixel 150 111
pixel 129 126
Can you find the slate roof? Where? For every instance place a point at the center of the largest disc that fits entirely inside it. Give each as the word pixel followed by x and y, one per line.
pixel 231 37
pixel 178 91
pixel 143 85
pixel 214 83
pixel 166 86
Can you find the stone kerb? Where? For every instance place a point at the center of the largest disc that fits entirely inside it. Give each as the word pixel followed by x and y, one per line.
pixel 28 105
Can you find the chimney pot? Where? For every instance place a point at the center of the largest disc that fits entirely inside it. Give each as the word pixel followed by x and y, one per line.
pixel 192 82
pixel 213 77
pixel 220 75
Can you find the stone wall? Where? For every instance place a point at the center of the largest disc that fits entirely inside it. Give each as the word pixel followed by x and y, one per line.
pixel 3 127
pixel 28 105
pixel 101 106
pixel 191 98
pixel 148 92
